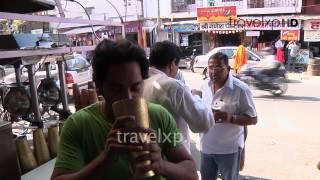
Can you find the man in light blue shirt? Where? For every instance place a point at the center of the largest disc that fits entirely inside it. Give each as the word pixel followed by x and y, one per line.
pixel 233 107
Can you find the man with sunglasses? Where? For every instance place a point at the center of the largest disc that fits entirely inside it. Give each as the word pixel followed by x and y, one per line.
pixel 232 103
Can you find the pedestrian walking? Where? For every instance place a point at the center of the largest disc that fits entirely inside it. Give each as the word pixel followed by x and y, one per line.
pixel 280 52
pixel 192 61
pixel 293 52
pixel 239 59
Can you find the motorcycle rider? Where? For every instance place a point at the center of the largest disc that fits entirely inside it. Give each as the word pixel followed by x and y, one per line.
pixel 264 69
pixel 205 73
pixel 193 57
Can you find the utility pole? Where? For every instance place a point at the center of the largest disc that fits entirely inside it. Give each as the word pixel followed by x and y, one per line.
pixel 61 13
pixel 142 9
pixel 121 19
pixel 126 10
pixel 158 22
pixel 58 3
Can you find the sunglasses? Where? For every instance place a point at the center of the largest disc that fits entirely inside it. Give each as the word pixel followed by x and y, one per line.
pixel 217 68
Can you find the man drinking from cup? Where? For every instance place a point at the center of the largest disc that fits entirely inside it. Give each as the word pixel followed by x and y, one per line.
pixel 90 147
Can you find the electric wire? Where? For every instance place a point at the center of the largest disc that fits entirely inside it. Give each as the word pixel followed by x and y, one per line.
pixel 96 36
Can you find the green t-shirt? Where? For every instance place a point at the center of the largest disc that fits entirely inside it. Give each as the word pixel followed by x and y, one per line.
pixel 84 135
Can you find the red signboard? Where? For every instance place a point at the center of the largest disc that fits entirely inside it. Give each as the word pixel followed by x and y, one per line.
pixel 290 35
pixel 133 26
pixel 216 14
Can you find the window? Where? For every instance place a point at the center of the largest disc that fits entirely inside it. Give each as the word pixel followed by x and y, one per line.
pixel 190 1
pixel 230 0
pixel 210 2
pixel 43 67
pixel 252 57
pixel 249 55
pixel 181 5
pixel 77 63
pixel 228 52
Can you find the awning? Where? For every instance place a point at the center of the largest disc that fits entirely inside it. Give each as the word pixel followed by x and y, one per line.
pixel 26 6
pixel 83 30
pixel 148 29
pixel 182 22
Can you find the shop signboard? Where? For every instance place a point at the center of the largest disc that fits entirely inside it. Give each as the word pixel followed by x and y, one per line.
pixel 216 14
pixel 252 33
pixel 252 24
pixel 219 27
pixel 312 36
pixel 290 35
pixel 133 26
pixel 311 25
pixel 181 27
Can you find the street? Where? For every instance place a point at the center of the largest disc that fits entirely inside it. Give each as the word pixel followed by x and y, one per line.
pixel 285 144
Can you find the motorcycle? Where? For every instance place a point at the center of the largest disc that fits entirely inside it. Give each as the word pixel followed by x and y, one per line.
pixel 273 80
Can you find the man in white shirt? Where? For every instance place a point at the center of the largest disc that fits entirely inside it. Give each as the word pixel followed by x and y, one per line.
pixel 279 44
pixel 180 77
pixel 162 88
pixel 293 53
pixel 233 107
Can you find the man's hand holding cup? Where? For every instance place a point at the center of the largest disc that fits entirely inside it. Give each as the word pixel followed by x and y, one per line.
pixel 220 116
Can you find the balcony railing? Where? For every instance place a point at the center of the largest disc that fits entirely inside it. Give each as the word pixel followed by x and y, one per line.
pixel 257 3
pixel 183 6
pixel 237 3
pixel 271 3
pixel 192 8
pixel 179 7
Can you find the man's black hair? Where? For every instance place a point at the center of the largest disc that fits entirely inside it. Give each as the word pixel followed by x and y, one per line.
pixel 220 56
pixel 110 52
pixel 164 53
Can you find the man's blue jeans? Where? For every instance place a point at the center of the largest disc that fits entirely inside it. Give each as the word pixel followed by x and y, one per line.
pixel 226 164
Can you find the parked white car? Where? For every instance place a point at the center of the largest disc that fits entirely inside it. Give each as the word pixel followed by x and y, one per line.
pixel 202 60
pixel 77 70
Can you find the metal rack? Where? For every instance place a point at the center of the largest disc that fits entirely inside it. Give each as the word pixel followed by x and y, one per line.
pixel 29 57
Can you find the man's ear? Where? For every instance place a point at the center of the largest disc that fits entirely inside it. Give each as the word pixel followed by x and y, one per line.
pixel 99 88
pixel 172 65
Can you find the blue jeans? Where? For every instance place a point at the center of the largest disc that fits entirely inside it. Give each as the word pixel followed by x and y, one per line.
pixel 226 164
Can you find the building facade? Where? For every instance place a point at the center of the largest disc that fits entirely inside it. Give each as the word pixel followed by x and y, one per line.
pixel 179 22
pixel 127 11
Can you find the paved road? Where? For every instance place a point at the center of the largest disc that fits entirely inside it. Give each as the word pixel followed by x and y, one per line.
pixel 285 144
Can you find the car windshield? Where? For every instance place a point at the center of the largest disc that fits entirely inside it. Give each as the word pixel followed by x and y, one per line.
pixel 78 62
pixel 232 50
pixel 261 56
pixel 43 67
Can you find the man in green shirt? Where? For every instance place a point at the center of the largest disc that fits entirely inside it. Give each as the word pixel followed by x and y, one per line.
pixel 89 145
